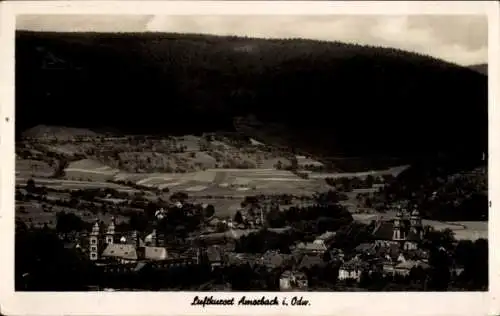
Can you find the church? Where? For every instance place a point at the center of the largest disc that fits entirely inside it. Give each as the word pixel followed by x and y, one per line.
pixel 406 230
pixel 105 245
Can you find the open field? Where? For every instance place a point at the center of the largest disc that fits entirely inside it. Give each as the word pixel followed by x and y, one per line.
pixel 33 213
pixel 35 168
pixel 72 184
pixel 223 207
pixel 89 170
pixel 228 181
pixel 392 171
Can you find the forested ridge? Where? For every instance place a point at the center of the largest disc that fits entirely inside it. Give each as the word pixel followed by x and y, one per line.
pixel 328 98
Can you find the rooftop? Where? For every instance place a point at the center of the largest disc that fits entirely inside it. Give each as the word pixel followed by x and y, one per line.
pixel 122 251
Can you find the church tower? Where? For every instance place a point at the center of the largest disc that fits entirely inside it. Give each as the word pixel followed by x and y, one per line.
pixel 416 222
pixel 110 233
pixel 398 231
pixel 94 241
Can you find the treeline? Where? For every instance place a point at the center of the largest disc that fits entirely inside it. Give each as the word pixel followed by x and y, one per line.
pixel 446 190
pixel 201 83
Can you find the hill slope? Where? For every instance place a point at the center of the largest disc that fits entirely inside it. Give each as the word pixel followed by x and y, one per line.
pixel 481 68
pixel 58 132
pixel 327 98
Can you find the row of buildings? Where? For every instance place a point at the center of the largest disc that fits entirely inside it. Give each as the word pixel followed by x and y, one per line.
pixel 394 250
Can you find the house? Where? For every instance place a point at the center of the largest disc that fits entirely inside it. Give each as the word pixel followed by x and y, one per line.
pixel 130 253
pixel 368 249
pixel 405 267
pixel 318 248
pixel 352 269
pixel 417 254
pixel 124 253
pixel 214 256
pixel 387 267
pixel 214 221
pixel 310 261
pixel 336 254
pixel 124 268
pixel 326 238
pixel 456 270
pixel 273 259
pixel 304 162
pixel 405 231
pixel 391 253
pixel 293 281
pixel 242 258
pixel 154 253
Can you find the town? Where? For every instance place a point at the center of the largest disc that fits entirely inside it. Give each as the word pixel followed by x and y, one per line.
pixel 228 213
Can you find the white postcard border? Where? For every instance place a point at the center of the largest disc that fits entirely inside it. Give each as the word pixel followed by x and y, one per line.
pixel 178 303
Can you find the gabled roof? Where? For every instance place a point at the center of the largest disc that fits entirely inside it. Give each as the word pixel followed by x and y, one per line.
pixel 214 254
pixel 120 251
pixel 297 274
pixel 311 246
pixel 393 251
pixel 354 264
pixel 417 254
pixel 409 264
pixel 310 261
pixel 326 236
pixel 140 266
pixel 366 248
pixel 412 236
pixel 155 253
pixel 273 259
pixel 383 231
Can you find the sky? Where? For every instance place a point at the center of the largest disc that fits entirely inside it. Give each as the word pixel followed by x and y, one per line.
pixel 458 39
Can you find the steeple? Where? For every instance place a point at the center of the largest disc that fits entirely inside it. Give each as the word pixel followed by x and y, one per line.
pixel 416 221
pixel 110 233
pixel 94 241
pixel 95 229
pixel 135 238
pixel 398 232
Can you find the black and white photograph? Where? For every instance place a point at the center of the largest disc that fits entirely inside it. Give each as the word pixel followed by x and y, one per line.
pixel 251 153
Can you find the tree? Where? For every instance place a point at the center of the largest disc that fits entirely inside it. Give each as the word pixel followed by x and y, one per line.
pixel 435 239
pixel 238 218
pixel 69 222
pixel 369 181
pixel 31 186
pixel 209 211
pixel 43 264
pixel 440 270
pixel 221 227
pixel 138 222
pixel 275 219
pixel 61 166
pixel 179 196
pixel 279 165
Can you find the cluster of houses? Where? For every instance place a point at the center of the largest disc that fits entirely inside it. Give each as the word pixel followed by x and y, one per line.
pixel 394 250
